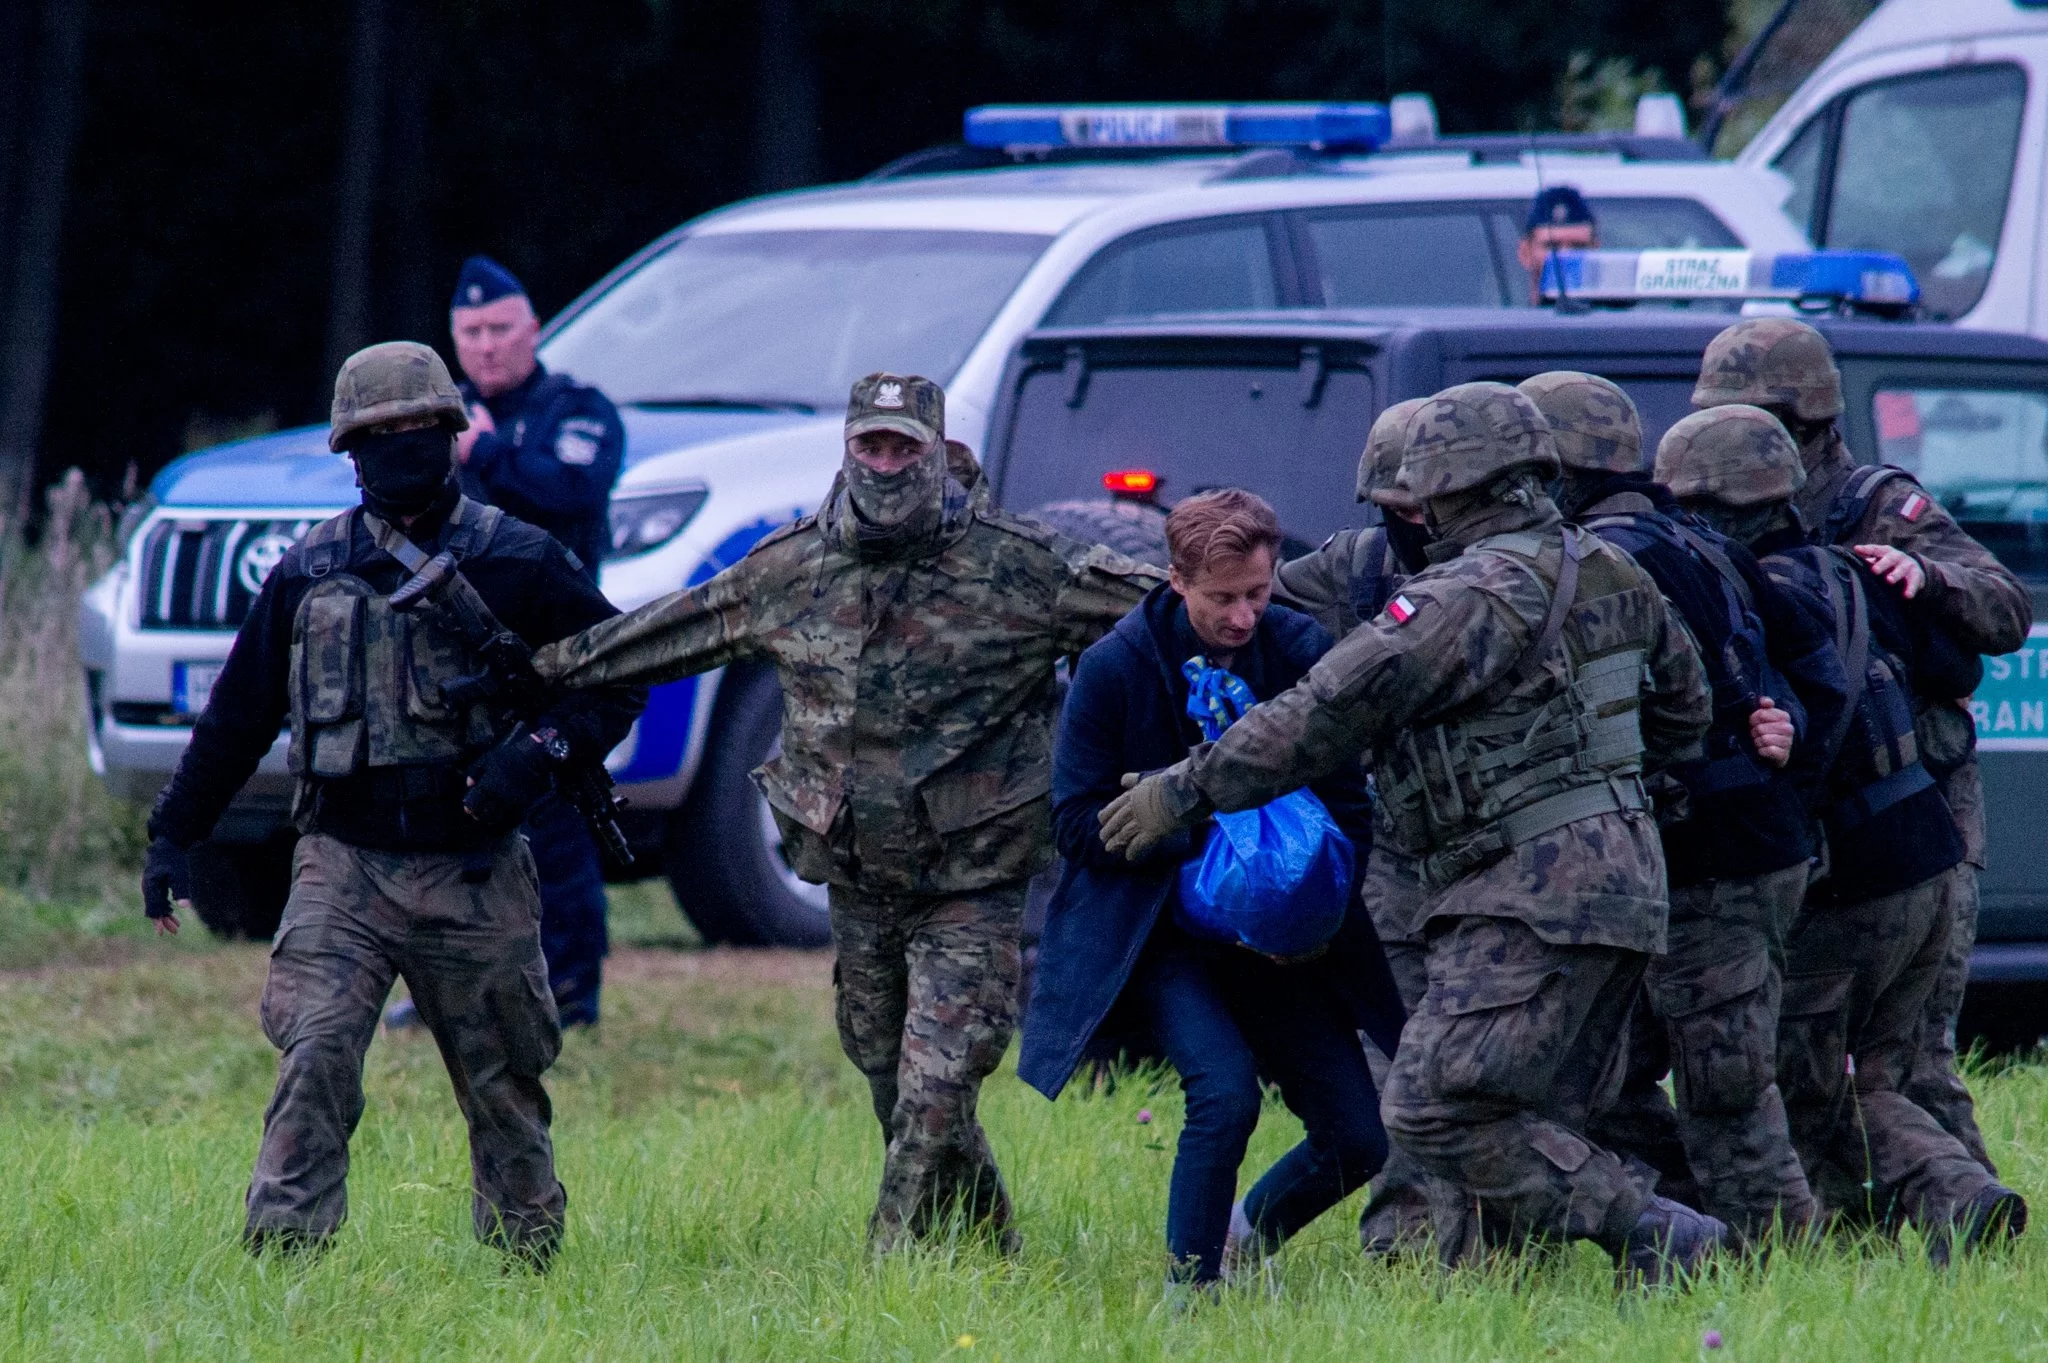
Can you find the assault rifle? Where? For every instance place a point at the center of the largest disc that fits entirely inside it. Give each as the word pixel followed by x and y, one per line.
pixel 509 684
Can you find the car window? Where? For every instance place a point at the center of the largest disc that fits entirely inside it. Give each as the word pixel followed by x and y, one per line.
pixel 1197 426
pixel 1802 162
pixel 791 318
pixel 1424 257
pixel 1921 165
pixel 1625 224
pixel 1983 454
pixel 1221 266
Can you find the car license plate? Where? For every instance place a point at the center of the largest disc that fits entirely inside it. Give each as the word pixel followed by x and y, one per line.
pixel 2011 704
pixel 192 685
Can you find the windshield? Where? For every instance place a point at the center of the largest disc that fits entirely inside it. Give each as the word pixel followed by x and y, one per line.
pixel 1983 454
pixel 788 320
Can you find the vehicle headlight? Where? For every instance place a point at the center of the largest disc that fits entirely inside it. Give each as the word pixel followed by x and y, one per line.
pixel 650 520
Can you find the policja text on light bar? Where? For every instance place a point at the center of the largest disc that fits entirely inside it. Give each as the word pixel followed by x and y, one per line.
pixel 1044 127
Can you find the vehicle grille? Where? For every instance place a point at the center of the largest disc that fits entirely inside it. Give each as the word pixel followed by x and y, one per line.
pixel 203 574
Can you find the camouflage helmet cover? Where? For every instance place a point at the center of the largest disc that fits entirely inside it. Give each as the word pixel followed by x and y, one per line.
pixel 391 382
pixel 1593 422
pixel 1466 435
pixel 1380 465
pixel 1736 455
pixel 1771 362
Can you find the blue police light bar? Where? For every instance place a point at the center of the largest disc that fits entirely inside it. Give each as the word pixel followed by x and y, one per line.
pixel 1876 279
pixel 1046 127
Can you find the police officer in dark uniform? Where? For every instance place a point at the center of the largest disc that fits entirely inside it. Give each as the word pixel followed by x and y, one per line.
pixel 1559 219
pixel 410 794
pixel 547 449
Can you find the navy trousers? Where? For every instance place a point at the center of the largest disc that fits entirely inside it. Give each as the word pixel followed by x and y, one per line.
pixel 572 908
pixel 1226 1016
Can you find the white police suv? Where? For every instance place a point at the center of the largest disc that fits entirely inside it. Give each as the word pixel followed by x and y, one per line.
pixel 730 344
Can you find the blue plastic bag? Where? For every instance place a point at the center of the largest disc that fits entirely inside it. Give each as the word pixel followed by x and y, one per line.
pixel 1277 878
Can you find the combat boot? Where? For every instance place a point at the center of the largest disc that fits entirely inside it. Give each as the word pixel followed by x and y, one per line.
pixel 1997 1213
pixel 1669 1243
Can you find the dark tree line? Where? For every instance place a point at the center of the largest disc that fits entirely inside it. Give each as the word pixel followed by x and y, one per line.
pixel 204 205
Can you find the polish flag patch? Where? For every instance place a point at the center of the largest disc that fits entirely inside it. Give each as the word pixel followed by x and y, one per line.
pixel 1402 609
pixel 1911 508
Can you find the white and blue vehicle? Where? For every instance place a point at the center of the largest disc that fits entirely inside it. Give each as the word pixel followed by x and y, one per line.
pixel 730 343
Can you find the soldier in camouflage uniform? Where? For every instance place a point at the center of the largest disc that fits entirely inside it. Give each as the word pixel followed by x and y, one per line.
pixel 1785 367
pixel 1735 826
pixel 410 863
pixel 1867 951
pixel 914 630
pixel 1510 695
pixel 1343 585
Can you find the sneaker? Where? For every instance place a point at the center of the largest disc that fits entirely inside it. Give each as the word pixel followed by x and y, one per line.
pixel 1997 1213
pixel 1668 1244
pixel 402 1016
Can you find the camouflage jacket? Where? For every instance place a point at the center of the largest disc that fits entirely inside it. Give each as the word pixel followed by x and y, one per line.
pixel 1986 607
pixel 918 694
pixel 1450 648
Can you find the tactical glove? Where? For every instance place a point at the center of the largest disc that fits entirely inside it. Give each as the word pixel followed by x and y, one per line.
pixel 1149 811
pixel 166 878
pixel 512 778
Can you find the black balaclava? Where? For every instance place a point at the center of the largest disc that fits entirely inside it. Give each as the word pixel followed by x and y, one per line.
pixel 1743 524
pixel 1410 540
pixel 403 473
pixel 887 514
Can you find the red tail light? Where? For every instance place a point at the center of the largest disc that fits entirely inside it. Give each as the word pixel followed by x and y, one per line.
pixel 1131 482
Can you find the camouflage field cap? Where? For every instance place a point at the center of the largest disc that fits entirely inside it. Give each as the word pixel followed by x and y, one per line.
pixel 908 403
pixel 390 382
pixel 1466 435
pixel 1593 422
pixel 1380 465
pixel 1771 362
pixel 1736 455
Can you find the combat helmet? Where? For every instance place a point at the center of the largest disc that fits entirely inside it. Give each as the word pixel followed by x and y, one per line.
pixel 1592 421
pixel 1737 455
pixel 390 382
pixel 1467 435
pixel 1771 362
pixel 1380 465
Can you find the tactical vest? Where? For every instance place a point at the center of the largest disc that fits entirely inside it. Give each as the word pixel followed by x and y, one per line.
pixel 1882 767
pixel 1554 741
pixel 1732 647
pixel 366 680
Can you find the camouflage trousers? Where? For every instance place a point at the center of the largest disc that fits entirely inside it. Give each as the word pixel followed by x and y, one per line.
pixel 1515 1045
pixel 1932 1082
pixel 1709 1015
pixel 926 999
pixel 1397 1214
pixel 1857 978
pixel 356 921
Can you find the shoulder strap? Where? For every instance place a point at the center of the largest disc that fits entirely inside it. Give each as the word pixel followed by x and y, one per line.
pixel 1372 569
pixel 326 546
pixel 1721 563
pixel 1853 498
pixel 1561 598
pixel 1852 640
pixel 472 525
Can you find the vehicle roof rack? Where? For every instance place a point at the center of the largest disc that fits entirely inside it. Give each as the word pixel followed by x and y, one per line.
pixel 1875 283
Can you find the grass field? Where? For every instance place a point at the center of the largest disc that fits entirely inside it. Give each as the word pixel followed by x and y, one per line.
pixel 720 1159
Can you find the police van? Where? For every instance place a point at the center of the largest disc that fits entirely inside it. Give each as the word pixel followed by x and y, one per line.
pixel 730 343
pixel 1281 403
pixel 1925 133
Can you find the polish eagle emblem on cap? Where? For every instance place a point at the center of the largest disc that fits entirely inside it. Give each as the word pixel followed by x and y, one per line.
pixel 889 395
